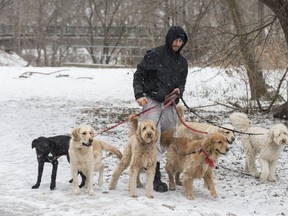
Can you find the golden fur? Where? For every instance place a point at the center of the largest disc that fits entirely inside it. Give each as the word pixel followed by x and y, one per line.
pixel 139 153
pixel 86 155
pixel 183 131
pixel 194 159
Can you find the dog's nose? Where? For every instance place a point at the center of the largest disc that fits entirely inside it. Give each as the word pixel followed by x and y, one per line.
pixel 91 140
pixel 149 134
pixel 227 149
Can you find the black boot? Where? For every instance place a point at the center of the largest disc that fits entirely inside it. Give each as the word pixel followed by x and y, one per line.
pixel 158 185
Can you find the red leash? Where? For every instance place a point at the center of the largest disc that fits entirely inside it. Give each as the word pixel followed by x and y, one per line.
pixel 114 126
pixel 169 99
pixel 187 126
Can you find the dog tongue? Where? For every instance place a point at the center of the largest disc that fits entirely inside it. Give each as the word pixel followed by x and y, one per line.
pixel 89 144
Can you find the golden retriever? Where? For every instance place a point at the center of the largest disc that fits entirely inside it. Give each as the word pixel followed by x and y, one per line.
pixel 139 153
pixel 195 159
pixel 86 156
pixel 266 143
pixel 183 131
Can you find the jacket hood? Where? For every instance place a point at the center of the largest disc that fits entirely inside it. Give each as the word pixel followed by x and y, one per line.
pixel 173 33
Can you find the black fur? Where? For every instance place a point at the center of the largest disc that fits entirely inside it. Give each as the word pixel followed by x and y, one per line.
pixel 49 150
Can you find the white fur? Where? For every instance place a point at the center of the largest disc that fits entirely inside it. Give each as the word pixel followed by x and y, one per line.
pixel 268 145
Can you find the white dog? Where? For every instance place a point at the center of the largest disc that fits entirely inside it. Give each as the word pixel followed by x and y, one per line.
pixel 202 129
pixel 86 156
pixel 267 144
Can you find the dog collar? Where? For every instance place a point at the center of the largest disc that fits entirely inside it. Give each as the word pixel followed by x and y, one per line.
pixel 209 161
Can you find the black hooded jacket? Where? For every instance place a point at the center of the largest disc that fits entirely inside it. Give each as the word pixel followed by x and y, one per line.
pixel 162 70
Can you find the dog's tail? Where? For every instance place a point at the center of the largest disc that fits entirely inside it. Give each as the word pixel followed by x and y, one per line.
pixel 240 121
pixel 180 110
pixel 133 125
pixel 109 148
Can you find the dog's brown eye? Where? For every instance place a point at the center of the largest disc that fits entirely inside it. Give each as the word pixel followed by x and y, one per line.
pixel 84 133
pixel 144 128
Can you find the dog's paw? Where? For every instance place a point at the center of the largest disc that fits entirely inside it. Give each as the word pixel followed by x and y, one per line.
pixel 272 178
pixel 52 186
pixel 91 193
pixel 132 194
pixel 112 186
pixel 255 174
pixel 150 196
pixel 35 186
pixel 214 195
pixel 172 187
pixel 77 191
pixel 190 197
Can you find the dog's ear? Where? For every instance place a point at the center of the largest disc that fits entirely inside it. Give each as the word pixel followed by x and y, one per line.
pixel 92 132
pixel 209 142
pixel 76 133
pixel 138 134
pixel 213 129
pixel 271 134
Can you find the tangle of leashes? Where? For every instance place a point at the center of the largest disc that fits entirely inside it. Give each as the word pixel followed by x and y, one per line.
pixel 212 123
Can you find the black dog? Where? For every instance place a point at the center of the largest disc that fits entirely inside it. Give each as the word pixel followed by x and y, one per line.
pixel 49 150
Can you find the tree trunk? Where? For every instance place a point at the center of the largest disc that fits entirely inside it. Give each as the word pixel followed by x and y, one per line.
pixel 256 80
pixel 280 9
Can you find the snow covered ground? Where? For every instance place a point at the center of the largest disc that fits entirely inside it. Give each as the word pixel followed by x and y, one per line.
pixel 48 105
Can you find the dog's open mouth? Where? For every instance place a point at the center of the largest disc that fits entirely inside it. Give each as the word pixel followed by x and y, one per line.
pixel 87 144
pixel 220 152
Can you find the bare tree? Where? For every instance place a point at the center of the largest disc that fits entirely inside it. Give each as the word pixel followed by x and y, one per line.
pixel 106 15
pixel 280 9
pixel 254 72
pixel 5 3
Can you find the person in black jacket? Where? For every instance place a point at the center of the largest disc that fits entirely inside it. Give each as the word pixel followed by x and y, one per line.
pixel 162 70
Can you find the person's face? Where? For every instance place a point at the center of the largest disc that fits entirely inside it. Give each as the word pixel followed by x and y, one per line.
pixel 177 43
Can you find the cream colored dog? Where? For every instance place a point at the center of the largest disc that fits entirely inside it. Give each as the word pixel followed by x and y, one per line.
pixel 86 156
pixel 183 131
pixel 195 159
pixel 267 144
pixel 139 153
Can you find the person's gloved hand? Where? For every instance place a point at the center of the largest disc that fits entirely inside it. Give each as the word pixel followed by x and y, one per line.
pixel 176 91
pixel 142 101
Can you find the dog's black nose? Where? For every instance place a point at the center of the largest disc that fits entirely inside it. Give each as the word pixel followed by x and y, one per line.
pixel 91 140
